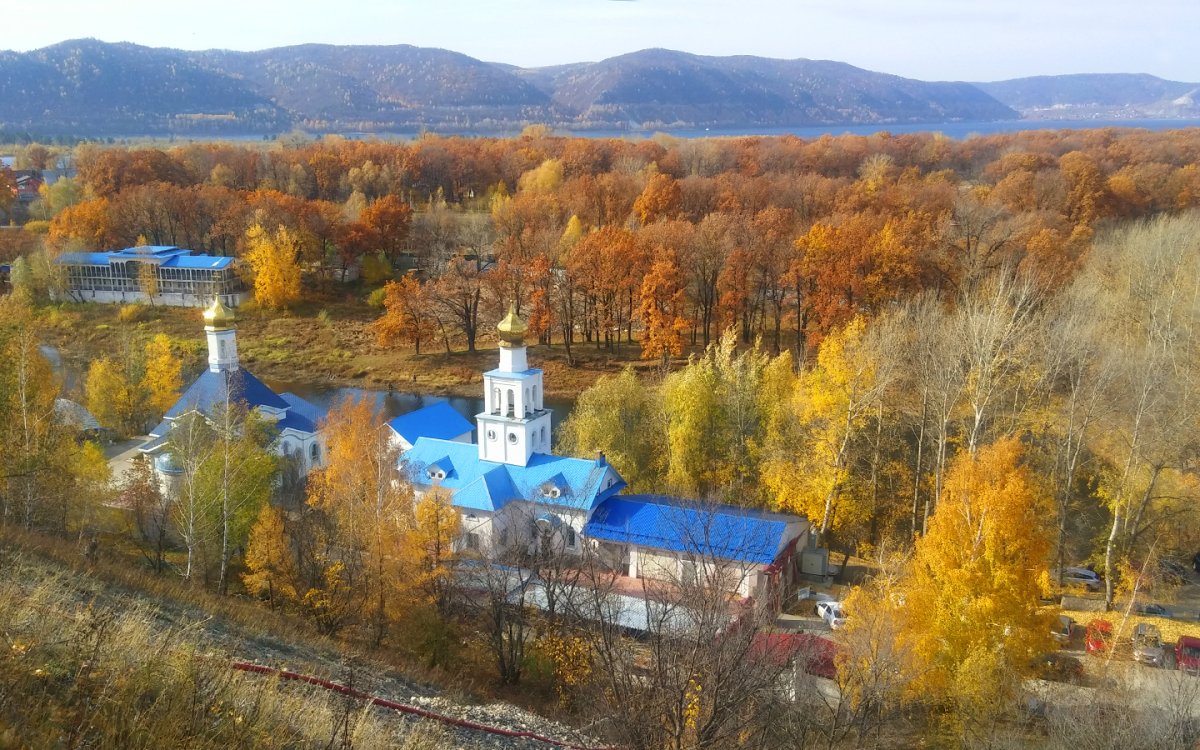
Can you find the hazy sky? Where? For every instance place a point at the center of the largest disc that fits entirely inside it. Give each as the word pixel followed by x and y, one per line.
pixel 928 39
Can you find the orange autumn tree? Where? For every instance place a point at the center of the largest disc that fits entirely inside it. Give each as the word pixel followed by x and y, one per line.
pixel 967 605
pixel 408 314
pixel 338 561
pixel 663 310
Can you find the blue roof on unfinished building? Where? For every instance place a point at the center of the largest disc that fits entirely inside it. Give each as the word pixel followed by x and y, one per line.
pixel 487 485
pixel 437 420
pixel 168 256
pixel 723 531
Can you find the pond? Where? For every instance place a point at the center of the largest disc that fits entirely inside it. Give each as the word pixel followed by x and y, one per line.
pixel 395 403
pixel 392 403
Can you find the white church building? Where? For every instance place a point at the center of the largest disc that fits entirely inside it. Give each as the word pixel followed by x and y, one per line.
pixel 226 381
pixel 511 490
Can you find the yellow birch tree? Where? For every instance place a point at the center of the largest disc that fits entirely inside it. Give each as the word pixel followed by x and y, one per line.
pixel 163 375
pixel 273 261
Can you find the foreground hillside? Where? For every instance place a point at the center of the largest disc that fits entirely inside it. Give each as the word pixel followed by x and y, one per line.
pixel 89 658
pixel 87 87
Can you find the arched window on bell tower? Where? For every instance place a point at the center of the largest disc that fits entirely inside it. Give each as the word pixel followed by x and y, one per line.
pixel 512 408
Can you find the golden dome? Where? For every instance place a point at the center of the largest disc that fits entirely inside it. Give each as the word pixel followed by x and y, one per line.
pixel 219 317
pixel 512 329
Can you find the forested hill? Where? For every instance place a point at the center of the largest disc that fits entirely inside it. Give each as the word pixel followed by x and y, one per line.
pixel 88 87
pixel 1098 95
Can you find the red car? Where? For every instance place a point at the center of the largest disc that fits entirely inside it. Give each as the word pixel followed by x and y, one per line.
pixel 1099 636
pixel 1187 653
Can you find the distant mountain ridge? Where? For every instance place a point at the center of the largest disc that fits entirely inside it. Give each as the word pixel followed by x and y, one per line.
pixel 88 87
pixel 1108 95
pixel 92 88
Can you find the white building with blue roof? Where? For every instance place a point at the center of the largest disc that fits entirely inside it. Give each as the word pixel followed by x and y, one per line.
pixel 182 279
pixel 226 381
pixel 513 492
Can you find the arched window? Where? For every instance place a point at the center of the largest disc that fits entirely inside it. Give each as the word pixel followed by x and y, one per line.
pixel 527 402
pixel 221 347
pixel 535 395
pixel 544 436
pixel 511 403
pixel 288 448
pixel 495 401
pixel 315 453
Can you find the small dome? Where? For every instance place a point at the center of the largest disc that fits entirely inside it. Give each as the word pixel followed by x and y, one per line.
pixel 512 329
pixel 219 317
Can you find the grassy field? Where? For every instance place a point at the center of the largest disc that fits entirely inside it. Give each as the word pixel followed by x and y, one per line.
pixel 330 344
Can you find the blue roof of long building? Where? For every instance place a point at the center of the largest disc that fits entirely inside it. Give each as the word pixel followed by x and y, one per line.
pixel 721 531
pixel 437 420
pixel 83 259
pixel 213 388
pixel 168 257
pixel 487 485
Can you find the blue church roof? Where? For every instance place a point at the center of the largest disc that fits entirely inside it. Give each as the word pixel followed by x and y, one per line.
pixel 303 412
pixel 213 388
pixel 722 531
pixel 487 485
pixel 438 420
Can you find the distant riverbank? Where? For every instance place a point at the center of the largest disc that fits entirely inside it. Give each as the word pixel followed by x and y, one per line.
pixel 955 130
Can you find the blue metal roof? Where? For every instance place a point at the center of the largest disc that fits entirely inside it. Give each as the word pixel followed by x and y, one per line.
pixel 438 420
pixel 487 485
pixel 306 409
pixel 213 262
pixel 722 531
pixel 213 388
pixel 153 251
pixel 83 259
pixel 498 373
pixel 162 428
pixel 169 257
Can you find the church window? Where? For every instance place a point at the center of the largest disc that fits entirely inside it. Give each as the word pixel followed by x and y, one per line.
pixel 527 402
pixel 315 453
pixel 511 403
pixel 221 347
pixel 288 448
pixel 544 436
pixel 535 394
pixel 569 534
pixel 512 438
pixel 491 434
pixel 495 401
pixel 471 540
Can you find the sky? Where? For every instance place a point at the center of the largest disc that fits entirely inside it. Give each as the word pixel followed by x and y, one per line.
pixel 974 40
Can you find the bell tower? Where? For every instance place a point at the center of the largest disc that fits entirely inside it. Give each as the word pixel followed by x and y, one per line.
pixel 221 331
pixel 514 423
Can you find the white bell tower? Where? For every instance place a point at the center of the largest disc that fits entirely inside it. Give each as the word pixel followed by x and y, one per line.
pixel 221 331
pixel 514 423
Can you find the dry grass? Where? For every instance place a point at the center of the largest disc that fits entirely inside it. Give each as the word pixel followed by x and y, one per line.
pixel 323 343
pixel 81 669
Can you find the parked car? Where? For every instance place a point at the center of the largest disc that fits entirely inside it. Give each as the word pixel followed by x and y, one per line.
pixel 1187 653
pixel 1099 637
pixel 1157 610
pixel 1065 630
pixel 1058 667
pixel 1089 579
pixel 832 613
pixel 1147 644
